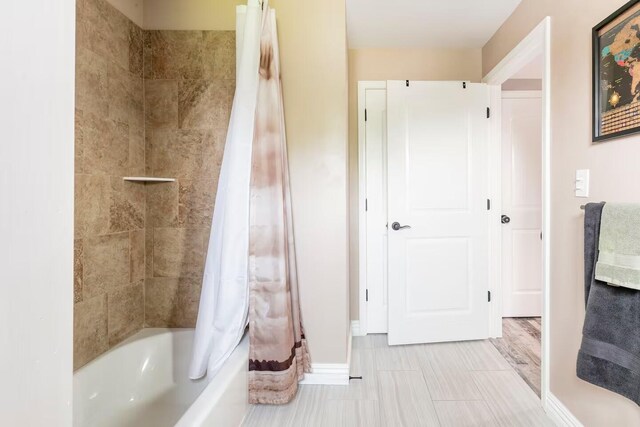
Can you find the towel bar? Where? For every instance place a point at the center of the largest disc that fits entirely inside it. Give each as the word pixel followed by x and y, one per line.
pixel 583 206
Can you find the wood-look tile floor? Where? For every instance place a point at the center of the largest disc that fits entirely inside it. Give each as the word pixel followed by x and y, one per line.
pixel 448 384
pixel 520 345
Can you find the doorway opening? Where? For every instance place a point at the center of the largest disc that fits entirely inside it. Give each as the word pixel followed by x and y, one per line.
pixel 424 224
pixel 521 219
pixel 517 272
pixel 520 93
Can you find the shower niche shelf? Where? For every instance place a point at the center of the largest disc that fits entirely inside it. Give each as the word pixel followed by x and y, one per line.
pixel 147 179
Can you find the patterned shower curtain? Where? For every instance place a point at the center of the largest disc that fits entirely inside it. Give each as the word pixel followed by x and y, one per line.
pixel 278 350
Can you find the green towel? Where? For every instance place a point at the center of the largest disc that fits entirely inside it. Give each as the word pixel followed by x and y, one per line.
pixel 619 258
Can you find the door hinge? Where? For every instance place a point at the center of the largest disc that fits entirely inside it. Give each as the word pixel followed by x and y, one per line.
pixel 489 296
pixel 365 114
pixel 464 85
pixel 488 204
pixel 407 83
pixel 488 113
pixel 367 295
pixel 366 205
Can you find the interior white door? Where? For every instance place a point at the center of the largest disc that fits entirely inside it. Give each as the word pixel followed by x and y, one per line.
pixel 437 185
pixel 522 205
pixel 376 209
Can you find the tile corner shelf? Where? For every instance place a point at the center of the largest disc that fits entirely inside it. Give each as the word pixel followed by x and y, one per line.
pixel 147 179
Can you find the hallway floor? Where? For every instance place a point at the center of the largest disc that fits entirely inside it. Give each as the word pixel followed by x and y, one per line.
pixel 448 384
pixel 520 345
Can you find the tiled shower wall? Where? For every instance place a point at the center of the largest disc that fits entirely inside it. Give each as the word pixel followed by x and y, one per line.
pixel 109 213
pixel 189 81
pixel 140 248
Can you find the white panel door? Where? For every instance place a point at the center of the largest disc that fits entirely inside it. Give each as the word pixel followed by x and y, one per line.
pixel 376 208
pixel 437 185
pixel 522 205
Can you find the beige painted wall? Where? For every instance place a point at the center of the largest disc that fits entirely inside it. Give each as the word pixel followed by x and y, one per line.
pixel 312 37
pixel 180 14
pixel 614 177
pixel 394 64
pixel 190 14
pixel 132 9
pixel 314 72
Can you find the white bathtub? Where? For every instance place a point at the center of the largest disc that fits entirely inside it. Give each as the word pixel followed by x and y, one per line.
pixel 143 382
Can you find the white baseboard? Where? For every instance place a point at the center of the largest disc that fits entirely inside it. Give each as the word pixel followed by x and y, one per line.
pixel 327 374
pixel 355 329
pixel 330 373
pixel 560 414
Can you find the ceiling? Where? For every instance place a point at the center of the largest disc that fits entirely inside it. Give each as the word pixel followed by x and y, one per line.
pixel 425 23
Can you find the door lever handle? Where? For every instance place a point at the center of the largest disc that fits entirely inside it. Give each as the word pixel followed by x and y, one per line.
pixel 396 226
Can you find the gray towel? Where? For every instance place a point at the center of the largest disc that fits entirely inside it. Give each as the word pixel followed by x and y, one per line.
pixel 609 356
pixel 619 247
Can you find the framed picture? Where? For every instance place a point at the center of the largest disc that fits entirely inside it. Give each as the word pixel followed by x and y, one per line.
pixel 616 74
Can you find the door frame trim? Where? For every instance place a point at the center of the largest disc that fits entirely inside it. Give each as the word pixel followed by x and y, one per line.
pixel 363 85
pixel 522 94
pixel 537 42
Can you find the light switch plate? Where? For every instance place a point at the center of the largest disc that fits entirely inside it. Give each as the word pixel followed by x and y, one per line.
pixel 582 183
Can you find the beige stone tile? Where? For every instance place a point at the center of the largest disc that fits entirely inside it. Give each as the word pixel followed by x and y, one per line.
pixel 464 414
pixel 205 103
pixel 196 200
pixel 92 201
pixel 137 153
pixel 214 142
pixel 104 30
pixel 136 114
pixel 125 97
pixel 89 330
pixel 182 154
pixel 161 104
pixel 405 400
pixel 106 145
pixel 172 54
pixel 126 311
pixel 178 252
pixel 127 208
pixel 91 83
pixel 137 255
pixel 119 93
pixel 148 251
pixel 219 55
pixel 78 269
pixel 162 204
pixel 136 42
pixel 172 302
pixel 79 143
pixel 106 263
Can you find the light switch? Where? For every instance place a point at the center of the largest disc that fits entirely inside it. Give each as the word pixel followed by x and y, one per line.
pixel 582 183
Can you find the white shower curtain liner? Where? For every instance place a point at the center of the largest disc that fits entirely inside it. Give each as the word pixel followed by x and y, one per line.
pixel 224 300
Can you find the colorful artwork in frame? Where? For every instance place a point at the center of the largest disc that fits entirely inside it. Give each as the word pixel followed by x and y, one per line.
pixel 616 74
